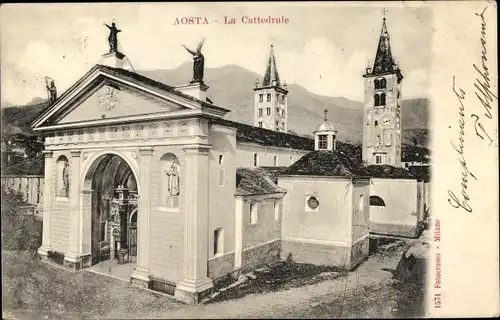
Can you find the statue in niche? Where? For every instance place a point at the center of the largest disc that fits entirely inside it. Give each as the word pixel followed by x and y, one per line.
pixel 65 178
pixel 198 62
pixel 172 173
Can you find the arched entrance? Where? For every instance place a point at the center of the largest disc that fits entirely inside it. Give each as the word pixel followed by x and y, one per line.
pixel 112 188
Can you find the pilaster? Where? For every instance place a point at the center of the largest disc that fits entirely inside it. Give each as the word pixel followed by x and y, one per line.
pixel 140 276
pixel 73 257
pixel 45 248
pixel 195 283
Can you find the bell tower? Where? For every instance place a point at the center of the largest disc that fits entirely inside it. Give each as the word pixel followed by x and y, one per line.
pixel 271 99
pixel 382 107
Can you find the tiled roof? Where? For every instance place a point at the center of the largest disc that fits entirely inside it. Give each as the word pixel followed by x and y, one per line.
pixel 271 172
pixel 248 133
pixel 326 163
pixel 387 171
pixel 423 173
pixel 253 181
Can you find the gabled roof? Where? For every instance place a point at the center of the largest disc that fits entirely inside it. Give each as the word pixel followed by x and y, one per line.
pixel 266 137
pixel 252 181
pixel 390 172
pixel 99 73
pixel 271 71
pixel 326 163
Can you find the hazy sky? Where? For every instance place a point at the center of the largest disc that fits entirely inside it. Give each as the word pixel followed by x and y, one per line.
pixel 324 48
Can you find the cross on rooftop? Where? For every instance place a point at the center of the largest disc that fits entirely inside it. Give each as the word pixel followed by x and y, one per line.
pixel 326 111
pixel 384 11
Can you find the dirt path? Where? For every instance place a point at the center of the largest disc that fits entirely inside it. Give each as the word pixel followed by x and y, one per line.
pixel 364 292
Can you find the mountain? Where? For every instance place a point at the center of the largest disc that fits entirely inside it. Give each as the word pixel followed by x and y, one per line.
pixel 231 87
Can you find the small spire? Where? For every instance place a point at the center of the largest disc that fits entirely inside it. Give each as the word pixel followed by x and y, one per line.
pixel 326 112
pixel 271 77
pixel 383 59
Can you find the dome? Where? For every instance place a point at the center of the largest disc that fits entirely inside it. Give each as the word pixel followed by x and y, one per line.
pixel 325 126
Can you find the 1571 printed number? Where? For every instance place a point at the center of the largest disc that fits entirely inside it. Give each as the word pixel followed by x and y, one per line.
pixel 437 300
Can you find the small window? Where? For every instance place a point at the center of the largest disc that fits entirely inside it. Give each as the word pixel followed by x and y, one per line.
pixel 275 161
pixel 283 99
pixel 378 159
pixel 261 97
pixel 376 201
pixel 268 97
pixel 376 123
pixel 382 99
pixel 291 159
pixel 322 142
pixel 361 205
pixel 276 210
pixel 255 159
pixel 260 124
pixel 218 241
pixel 377 100
pixel 277 124
pixel 268 111
pixel 277 97
pixel 312 203
pixel 253 213
pixel 221 158
pixel 277 110
pixel 261 112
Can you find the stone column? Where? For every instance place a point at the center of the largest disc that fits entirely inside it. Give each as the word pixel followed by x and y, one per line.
pixel 47 194
pixel 72 258
pixel 195 283
pixel 140 276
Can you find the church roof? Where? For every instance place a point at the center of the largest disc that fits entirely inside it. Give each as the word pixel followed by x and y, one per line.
pixel 384 61
pixel 271 71
pixel 266 137
pixel 326 163
pixel 387 171
pixel 254 181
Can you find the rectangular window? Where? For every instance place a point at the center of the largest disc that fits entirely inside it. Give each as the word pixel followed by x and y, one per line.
pixel 378 159
pixel 283 99
pixel 277 124
pixel 260 124
pixel 276 210
pixel 218 241
pixel 253 213
pixel 322 142
pixel 277 97
pixel 268 97
pixel 376 123
pixel 255 159
pixel 260 112
pixel 261 97
pixel 221 158
pixel 268 110
pixel 275 161
pixel 277 110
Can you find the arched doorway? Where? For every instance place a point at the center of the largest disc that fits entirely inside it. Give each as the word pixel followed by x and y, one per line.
pixel 112 188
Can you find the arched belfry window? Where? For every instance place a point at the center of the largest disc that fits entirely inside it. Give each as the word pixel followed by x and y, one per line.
pixel 170 180
pixel 380 83
pixel 62 177
pixel 379 99
pixel 376 201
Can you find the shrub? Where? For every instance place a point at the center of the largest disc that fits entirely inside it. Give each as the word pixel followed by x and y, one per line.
pixel 19 232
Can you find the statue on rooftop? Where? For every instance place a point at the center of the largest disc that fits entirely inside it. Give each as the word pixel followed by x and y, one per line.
pixel 113 37
pixel 51 90
pixel 198 62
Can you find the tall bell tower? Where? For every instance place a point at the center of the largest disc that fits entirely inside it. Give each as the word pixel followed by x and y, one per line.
pixel 270 106
pixel 382 107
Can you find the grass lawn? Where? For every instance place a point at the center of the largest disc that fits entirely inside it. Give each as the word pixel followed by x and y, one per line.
pixel 36 290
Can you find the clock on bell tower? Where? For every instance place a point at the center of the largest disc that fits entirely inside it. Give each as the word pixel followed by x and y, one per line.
pixel 382 107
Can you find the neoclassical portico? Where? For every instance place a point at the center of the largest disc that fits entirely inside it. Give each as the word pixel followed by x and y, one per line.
pixel 115 130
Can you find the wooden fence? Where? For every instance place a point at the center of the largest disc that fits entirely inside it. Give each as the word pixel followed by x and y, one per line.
pixel 30 186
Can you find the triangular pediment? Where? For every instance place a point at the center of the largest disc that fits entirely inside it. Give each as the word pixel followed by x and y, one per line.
pixel 114 95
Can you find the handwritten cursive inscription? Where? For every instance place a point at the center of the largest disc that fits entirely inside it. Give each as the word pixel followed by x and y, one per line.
pixel 454 200
pixel 482 85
